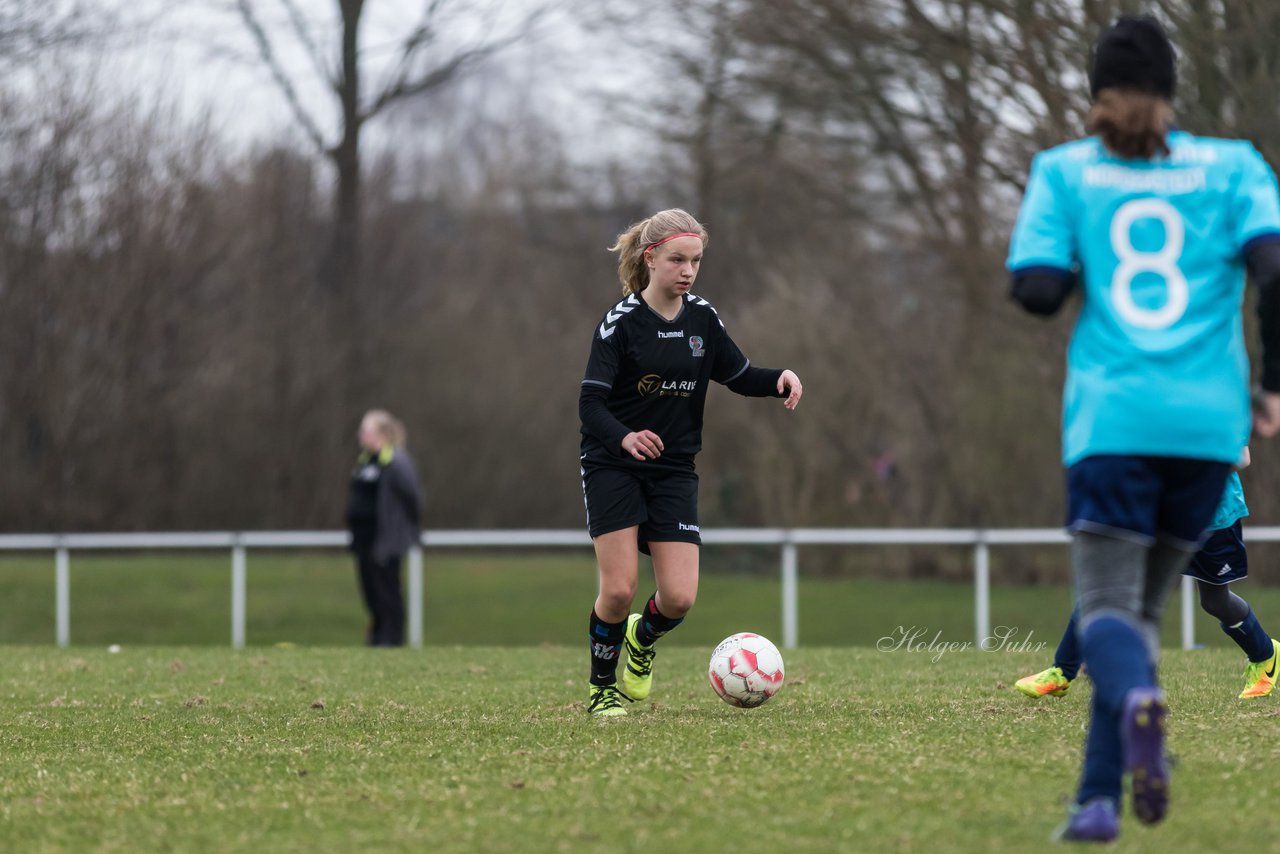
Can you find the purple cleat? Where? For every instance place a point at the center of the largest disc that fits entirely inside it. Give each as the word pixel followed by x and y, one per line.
pixel 1092 821
pixel 1142 728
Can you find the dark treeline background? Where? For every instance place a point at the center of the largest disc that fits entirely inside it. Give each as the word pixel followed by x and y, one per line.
pixel 191 329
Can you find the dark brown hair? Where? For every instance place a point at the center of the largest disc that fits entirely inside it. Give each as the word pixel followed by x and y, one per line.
pixel 1131 124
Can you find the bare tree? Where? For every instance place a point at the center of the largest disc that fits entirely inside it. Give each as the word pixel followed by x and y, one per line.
pixel 431 56
pixel 1229 64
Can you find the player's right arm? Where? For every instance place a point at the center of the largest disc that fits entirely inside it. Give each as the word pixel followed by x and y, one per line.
pixel 1257 218
pixel 1263 259
pixel 593 400
pixel 599 422
pixel 1041 258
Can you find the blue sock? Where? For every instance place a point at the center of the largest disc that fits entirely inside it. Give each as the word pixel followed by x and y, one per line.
pixel 1067 658
pixel 1103 757
pixel 1251 637
pixel 1118 662
pixel 1117 657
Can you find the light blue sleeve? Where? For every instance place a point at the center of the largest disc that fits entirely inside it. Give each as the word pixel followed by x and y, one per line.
pixel 1043 235
pixel 1257 203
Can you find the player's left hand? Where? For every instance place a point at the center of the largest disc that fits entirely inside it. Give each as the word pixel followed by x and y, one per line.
pixel 789 384
pixel 1266 413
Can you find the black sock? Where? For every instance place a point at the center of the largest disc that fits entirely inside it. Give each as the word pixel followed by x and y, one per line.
pixel 653 623
pixel 606 640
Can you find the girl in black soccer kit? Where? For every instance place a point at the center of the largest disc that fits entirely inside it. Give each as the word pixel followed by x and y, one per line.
pixel 641 403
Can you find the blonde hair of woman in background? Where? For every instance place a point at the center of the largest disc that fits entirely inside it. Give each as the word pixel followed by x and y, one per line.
pixel 385 426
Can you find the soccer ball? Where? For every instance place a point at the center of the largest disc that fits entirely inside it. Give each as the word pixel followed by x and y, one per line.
pixel 745 670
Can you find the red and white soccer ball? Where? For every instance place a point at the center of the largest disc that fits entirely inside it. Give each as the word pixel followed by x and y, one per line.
pixel 745 670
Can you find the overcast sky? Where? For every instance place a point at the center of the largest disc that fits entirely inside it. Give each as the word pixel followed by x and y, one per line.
pixel 200 53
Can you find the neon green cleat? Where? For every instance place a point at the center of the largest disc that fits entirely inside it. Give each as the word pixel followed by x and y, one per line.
pixel 1260 676
pixel 605 701
pixel 1046 683
pixel 637 676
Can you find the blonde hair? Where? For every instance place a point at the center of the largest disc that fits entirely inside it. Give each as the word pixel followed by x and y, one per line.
pixel 632 243
pixel 390 428
pixel 1132 124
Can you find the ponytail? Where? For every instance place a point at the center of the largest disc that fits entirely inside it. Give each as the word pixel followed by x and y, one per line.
pixel 1131 124
pixel 631 245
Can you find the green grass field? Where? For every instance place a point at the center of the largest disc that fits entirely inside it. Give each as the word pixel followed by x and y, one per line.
pixel 489 750
pixel 308 742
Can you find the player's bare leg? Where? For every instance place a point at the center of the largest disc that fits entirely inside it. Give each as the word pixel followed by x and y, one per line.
pixel 675 567
pixel 617 559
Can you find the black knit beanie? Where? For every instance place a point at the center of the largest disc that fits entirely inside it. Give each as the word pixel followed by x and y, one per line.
pixel 1134 53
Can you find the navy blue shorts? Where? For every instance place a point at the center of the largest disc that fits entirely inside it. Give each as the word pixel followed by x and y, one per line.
pixel 1140 498
pixel 1222 559
pixel 663 503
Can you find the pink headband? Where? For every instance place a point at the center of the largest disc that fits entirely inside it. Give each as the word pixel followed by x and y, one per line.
pixel 673 237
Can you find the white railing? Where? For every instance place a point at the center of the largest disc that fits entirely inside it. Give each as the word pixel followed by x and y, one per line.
pixel 789 539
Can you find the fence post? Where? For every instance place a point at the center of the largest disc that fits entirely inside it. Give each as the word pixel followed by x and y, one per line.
pixel 415 597
pixel 981 591
pixel 62 596
pixel 790 607
pixel 237 593
pixel 1188 613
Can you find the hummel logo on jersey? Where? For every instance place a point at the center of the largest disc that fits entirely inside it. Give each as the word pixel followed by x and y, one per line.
pixel 613 315
pixel 683 527
pixel 1226 567
pixel 679 333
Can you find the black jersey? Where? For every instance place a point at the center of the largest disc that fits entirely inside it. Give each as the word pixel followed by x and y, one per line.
pixel 656 372
pixel 362 501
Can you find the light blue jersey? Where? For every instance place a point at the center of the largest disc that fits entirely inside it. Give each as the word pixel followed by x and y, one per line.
pixel 1157 363
pixel 1232 506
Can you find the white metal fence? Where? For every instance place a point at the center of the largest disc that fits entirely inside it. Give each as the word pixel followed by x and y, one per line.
pixel 788 539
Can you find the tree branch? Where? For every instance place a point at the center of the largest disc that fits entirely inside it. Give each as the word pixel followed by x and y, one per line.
pixel 266 51
pixel 299 24
pixel 402 86
pixel 437 77
pixel 27 30
pixel 422 34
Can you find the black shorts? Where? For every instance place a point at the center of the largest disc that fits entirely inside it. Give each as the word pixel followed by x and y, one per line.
pixel 1223 558
pixel 1143 498
pixel 663 503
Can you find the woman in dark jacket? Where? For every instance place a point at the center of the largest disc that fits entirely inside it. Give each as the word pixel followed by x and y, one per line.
pixel 383 512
